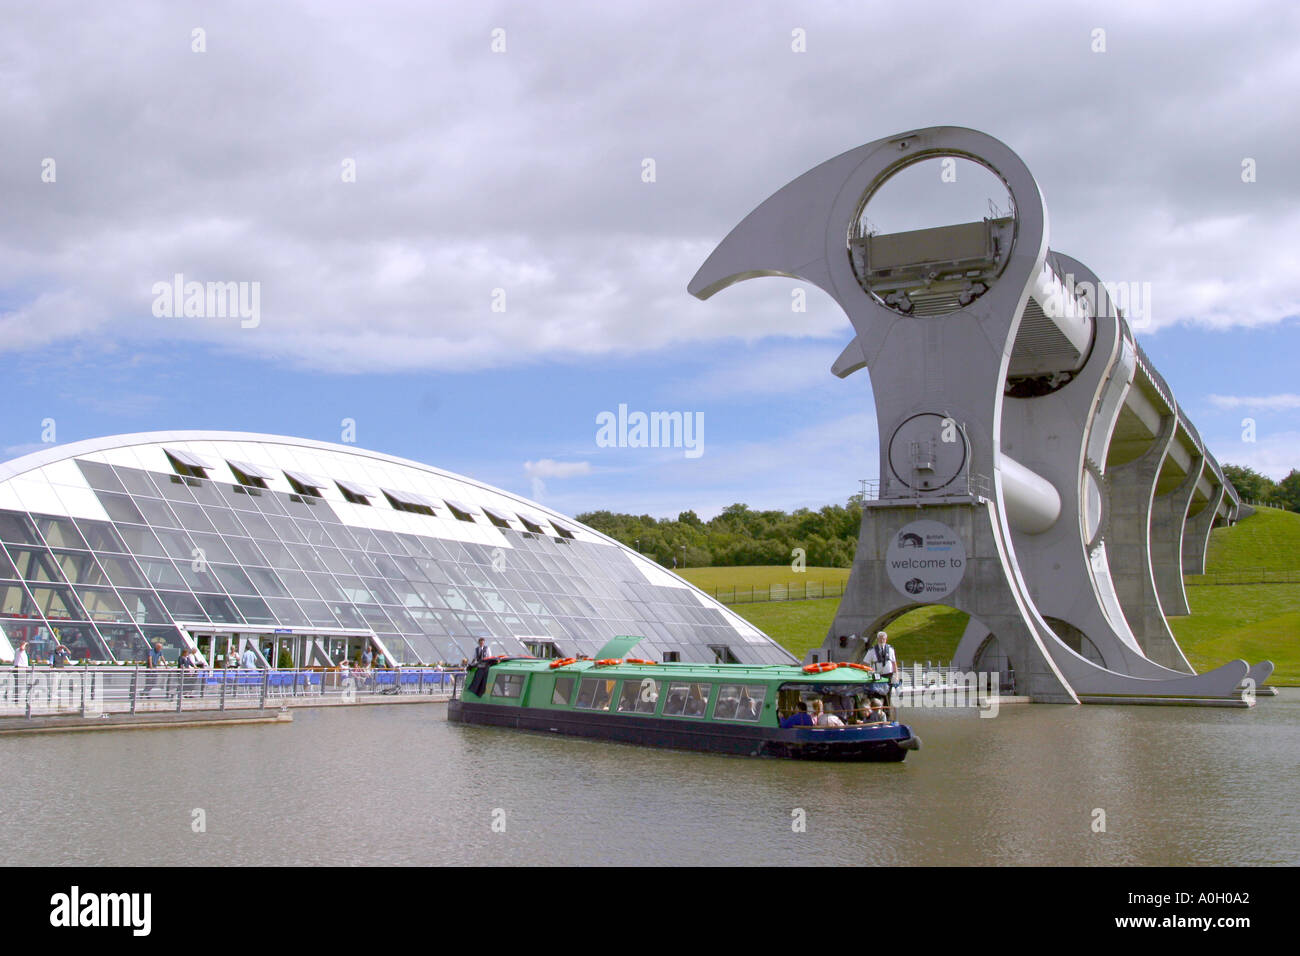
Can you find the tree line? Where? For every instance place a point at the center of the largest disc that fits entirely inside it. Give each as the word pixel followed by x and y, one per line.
pixel 739 536
pixel 1252 486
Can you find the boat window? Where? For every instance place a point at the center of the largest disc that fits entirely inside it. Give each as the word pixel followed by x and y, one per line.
pixel 595 693
pixel 563 691
pixel 740 702
pixel 849 702
pixel 687 700
pixel 639 696
pixel 508 685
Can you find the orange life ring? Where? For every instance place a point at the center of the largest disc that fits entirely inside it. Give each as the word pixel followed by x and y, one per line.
pixel 637 660
pixel 609 661
pixel 858 667
pixel 821 667
pixel 563 662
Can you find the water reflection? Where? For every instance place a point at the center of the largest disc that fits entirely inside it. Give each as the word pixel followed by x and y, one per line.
pixel 398 785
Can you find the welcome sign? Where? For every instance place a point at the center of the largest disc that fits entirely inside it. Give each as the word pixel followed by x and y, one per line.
pixel 925 560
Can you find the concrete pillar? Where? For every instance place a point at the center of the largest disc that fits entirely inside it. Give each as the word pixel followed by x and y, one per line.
pixel 1131 489
pixel 1168 518
pixel 1196 533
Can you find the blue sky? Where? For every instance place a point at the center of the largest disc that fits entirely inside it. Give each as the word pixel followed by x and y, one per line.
pixel 522 171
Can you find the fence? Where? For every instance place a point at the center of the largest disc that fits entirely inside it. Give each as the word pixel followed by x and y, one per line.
pixel 1245 576
pixel 93 691
pixel 803 591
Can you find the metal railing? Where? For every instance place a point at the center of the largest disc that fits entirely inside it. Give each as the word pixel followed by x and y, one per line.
pixel 803 591
pixel 889 489
pixel 90 691
pixel 1244 576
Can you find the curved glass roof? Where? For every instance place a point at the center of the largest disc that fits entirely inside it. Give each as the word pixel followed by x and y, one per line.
pixel 118 542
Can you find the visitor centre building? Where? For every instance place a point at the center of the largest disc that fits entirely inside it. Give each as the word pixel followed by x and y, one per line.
pixel 307 551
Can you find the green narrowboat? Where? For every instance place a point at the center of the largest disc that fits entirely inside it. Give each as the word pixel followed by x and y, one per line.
pixel 722 708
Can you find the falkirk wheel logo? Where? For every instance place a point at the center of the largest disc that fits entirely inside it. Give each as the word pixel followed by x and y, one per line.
pixel 926 560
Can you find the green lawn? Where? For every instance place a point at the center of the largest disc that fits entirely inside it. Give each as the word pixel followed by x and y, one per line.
pixel 926 634
pixel 709 579
pixel 1267 539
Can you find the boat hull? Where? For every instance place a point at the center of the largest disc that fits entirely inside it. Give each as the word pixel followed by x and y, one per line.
pixel 872 743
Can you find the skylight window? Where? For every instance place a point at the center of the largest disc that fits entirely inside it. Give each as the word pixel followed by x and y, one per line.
pixel 249 475
pixel 353 492
pixel 187 464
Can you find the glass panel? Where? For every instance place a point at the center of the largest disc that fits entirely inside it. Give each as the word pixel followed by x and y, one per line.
pixel 81 641
pixel 224 521
pixel 174 488
pixel 562 693
pixel 102 604
pixel 375 617
pixel 383 594
pixel 57 602
pixel 143 607
pixel 361 564
pixel 318 613
pixel 34 564
pixel 205 492
pixel 326 588
pixel 347 615
pixel 160 572
pixel 201 579
pixel 137 482
pixel 213 547
pixel 257 526
pixel 139 540
pixel 285 529
pixel 233 579
pixel 595 693
pixel 508 685
pixel 120 508
pixel 740 702
pixel 288 613
pixel 306 557
pixel 219 608
pixel 639 696
pixel 298 584
pixel 267 583
pixel 59 532
pixel 183 605
pixel 277 554
pixel 99 476
pixel 125 642
pixel 156 513
pixel 177 544
pixel 170 637
pixel 687 700
pixel 14 600
pixel 100 536
pixel 340 536
pixel 334 559
pixel 255 610
pixel 192 517
pixel 80 567
pixel 245 551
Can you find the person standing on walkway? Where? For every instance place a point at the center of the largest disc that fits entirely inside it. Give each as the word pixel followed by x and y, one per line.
pixel 884 662
pixel 21 664
pixel 156 661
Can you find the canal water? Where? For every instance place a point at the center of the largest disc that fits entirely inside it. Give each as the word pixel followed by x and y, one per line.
pixel 399 785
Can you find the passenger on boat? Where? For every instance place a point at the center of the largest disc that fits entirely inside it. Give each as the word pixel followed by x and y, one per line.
pixel 822 719
pixel 799 718
pixel 747 709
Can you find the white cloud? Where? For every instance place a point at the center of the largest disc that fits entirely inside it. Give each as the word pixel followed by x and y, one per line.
pixel 1272 403
pixel 548 468
pixel 1274 454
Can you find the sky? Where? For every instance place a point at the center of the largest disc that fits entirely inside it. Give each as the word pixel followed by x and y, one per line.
pixel 470 227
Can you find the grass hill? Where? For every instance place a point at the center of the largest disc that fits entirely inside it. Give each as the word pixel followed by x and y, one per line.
pixel 1251 621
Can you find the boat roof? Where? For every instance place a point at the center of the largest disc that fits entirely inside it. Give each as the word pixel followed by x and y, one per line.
pixel 689 670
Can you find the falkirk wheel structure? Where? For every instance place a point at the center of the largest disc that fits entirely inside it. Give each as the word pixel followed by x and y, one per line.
pixel 1035 469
